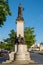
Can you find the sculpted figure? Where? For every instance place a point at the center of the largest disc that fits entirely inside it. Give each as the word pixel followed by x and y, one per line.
pixel 20 9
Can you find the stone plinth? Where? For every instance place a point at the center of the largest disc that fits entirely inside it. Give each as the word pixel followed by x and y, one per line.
pixel 11 56
pixel 22 53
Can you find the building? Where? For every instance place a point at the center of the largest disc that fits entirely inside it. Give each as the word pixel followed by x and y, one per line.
pixel 41 46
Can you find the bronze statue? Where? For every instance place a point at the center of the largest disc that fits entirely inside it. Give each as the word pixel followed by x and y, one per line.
pixel 20 9
pixel 19 40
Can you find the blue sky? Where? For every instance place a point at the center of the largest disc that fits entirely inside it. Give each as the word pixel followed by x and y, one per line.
pixel 33 17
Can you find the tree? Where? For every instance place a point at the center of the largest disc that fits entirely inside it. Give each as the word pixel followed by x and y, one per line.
pixel 10 40
pixel 4 11
pixel 12 36
pixel 29 36
pixel 2 45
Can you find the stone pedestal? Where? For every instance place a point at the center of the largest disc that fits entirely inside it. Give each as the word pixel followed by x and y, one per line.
pixel 22 53
pixel 11 56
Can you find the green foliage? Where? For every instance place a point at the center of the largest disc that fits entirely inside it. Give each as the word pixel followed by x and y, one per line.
pixel 29 36
pixel 6 46
pixel 10 40
pixel 4 11
pixel 12 36
pixel 2 45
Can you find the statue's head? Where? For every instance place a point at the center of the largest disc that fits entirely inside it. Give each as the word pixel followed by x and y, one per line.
pixel 20 5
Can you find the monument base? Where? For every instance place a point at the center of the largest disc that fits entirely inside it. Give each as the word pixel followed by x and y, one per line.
pixel 22 53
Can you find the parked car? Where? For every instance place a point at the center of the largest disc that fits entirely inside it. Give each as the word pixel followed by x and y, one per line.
pixel 4 53
pixel 1 54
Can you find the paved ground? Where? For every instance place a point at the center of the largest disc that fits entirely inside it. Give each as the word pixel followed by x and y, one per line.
pixel 37 58
pixel 22 64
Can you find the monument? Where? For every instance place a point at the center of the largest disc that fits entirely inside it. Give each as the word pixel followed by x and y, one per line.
pixel 20 44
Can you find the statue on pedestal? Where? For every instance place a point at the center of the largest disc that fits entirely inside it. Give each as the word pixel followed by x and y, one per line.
pixel 20 9
pixel 20 45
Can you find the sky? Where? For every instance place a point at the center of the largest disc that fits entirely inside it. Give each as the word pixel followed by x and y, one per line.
pixel 32 14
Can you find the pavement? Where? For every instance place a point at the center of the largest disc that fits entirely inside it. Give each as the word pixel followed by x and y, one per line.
pixel 36 59
pixel 22 64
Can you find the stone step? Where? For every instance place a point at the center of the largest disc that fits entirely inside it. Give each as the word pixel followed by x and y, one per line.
pixel 7 61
